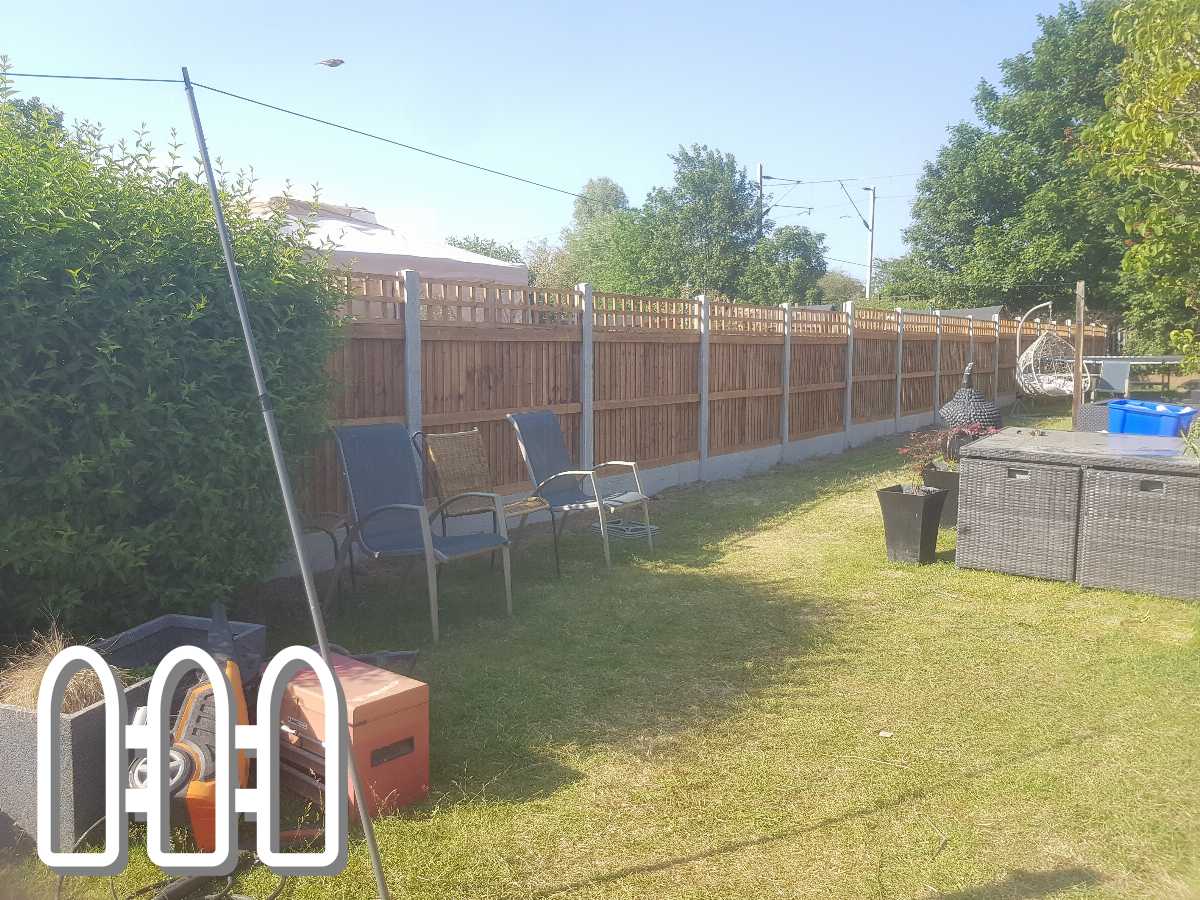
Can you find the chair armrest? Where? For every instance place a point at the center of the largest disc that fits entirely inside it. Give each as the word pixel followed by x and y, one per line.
pixel 570 473
pixel 354 529
pixel 623 464
pixel 390 507
pixel 495 498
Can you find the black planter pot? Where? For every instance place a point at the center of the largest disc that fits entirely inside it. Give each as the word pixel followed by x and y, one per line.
pixel 910 522
pixel 948 482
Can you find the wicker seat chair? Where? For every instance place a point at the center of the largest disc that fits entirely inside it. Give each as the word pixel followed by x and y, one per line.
pixel 458 466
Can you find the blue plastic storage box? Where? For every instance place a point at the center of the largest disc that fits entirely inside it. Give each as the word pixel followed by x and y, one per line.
pixel 1148 417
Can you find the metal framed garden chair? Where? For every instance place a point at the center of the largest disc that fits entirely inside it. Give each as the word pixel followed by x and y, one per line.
pixel 565 489
pixel 458 467
pixel 388 516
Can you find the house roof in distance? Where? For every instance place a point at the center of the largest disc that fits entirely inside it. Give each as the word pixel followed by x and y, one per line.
pixel 362 243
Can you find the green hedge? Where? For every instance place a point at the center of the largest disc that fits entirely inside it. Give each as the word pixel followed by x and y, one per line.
pixel 135 478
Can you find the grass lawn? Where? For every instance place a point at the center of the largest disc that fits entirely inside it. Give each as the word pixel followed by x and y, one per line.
pixel 765 707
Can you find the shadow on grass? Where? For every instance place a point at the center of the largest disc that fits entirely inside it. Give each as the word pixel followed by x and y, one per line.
pixel 1020 884
pixel 656 645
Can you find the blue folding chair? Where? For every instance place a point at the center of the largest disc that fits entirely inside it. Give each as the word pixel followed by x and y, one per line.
pixel 388 517
pixel 548 461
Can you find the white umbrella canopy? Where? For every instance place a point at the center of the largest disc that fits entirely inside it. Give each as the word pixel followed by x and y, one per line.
pixel 361 243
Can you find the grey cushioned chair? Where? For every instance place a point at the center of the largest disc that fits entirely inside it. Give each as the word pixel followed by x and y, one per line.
pixel 388 517
pixel 566 489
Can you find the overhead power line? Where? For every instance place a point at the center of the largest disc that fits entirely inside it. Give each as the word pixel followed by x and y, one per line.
pixel 837 180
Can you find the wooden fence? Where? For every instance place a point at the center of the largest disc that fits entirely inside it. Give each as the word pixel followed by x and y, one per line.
pixel 655 380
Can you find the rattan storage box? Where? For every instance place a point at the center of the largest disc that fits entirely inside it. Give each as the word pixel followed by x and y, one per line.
pixel 1135 523
pixel 1140 532
pixel 1020 518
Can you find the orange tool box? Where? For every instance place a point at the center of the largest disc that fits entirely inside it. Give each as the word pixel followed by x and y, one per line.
pixel 388 715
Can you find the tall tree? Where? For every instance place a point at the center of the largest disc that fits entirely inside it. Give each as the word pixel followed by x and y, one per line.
pixel 1006 212
pixel 599 197
pixel 693 236
pixel 784 267
pixel 838 287
pixel 1150 139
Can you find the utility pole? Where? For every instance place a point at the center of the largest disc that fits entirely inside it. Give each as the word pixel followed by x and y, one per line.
pixel 761 206
pixel 871 242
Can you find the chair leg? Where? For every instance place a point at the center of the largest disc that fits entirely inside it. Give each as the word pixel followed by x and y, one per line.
pixel 604 535
pixel 507 562
pixel 554 531
pixel 646 519
pixel 492 558
pixel 432 580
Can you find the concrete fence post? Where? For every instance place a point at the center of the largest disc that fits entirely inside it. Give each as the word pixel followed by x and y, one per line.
pixel 785 406
pixel 996 359
pixel 970 339
pixel 899 364
pixel 705 328
pixel 848 402
pixel 412 349
pixel 937 365
pixel 587 380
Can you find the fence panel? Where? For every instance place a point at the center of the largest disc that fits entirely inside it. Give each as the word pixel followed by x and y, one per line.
pixel 920 341
pixel 1007 384
pixel 875 338
pixel 647 369
pixel 487 350
pixel 956 353
pixel 745 376
pixel 473 377
pixel 818 373
pixel 985 358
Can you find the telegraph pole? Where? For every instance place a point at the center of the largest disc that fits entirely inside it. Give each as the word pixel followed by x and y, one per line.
pixel 871 242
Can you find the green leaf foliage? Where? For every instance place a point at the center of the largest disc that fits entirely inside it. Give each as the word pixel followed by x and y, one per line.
pixel 1006 213
pixel 485 246
pixel 698 235
pixel 1149 140
pixel 135 477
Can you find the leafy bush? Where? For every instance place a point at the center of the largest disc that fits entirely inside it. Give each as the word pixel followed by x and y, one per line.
pixel 135 478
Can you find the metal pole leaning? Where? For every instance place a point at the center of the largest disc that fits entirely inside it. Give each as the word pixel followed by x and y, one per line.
pixel 285 485
pixel 704 311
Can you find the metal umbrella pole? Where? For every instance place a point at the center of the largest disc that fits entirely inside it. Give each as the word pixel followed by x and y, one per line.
pixel 285 486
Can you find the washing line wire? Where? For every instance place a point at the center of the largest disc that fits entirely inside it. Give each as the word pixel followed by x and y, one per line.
pixel 320 121
pixel 91 77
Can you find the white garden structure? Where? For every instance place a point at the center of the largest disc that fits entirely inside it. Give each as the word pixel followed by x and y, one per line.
pixel 1046 368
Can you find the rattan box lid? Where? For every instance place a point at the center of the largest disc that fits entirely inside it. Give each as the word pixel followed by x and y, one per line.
pixel 1134 452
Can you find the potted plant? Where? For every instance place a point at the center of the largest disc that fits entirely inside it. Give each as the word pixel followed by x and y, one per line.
pixel 910 521
pixel 934 457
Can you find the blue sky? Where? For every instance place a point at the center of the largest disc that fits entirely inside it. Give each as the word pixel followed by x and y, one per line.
pixel 558 92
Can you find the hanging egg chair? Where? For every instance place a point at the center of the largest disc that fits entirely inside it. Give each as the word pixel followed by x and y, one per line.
pixel 1046 368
